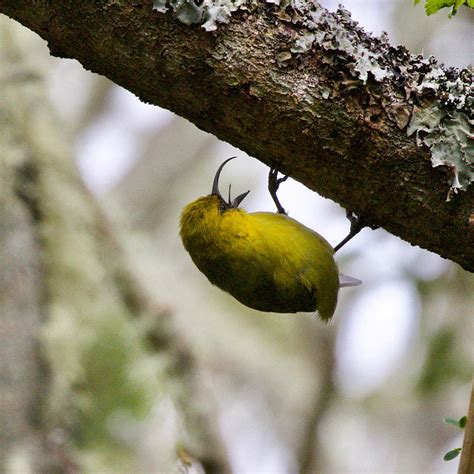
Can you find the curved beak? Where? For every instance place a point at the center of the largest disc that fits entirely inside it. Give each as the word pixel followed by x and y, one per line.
pixel 215 187
pixel 215 184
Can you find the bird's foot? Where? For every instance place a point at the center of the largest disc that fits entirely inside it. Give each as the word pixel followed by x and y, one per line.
pixel 357 224
pixel 273 184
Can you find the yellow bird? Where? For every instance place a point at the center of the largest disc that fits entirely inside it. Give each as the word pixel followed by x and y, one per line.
pixel 267 261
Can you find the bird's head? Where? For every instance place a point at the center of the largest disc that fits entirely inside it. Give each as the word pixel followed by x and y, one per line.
pixel 206 212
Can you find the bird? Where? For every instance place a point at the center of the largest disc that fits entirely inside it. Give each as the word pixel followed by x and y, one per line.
pixel 267 261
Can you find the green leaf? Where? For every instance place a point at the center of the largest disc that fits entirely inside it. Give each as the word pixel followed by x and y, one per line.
pixel 461 423
pixel 452 421
pixel 433 6
pixel 454 453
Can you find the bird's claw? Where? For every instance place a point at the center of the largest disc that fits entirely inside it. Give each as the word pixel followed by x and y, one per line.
pixel 357 224
pixel 273 184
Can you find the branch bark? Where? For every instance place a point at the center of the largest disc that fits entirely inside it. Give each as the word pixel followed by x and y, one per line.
pixel 334 117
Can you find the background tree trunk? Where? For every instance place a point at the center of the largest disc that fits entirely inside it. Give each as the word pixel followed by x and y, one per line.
pixel 72 319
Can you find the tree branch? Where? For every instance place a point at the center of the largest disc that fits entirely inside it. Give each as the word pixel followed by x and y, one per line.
pixel 310 91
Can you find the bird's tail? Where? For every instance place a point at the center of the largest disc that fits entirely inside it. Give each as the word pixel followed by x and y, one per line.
pixel 345 280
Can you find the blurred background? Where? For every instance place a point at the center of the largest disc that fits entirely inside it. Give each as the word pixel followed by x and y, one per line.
pixel 367 392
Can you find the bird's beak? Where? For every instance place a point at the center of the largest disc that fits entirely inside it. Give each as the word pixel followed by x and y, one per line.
pixel 239 199
pixel 215 187
pixel 215 184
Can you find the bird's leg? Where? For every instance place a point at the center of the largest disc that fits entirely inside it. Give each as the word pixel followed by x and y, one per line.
pixel 273 184
pixel 357 224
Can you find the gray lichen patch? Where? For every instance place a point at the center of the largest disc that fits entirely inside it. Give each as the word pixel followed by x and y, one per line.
pixel 207 13
pixel 449 137
pixel 442 118
pixel 415 93
pixel 339 34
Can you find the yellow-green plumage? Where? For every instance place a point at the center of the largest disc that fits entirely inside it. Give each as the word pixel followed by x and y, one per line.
pixel 267 261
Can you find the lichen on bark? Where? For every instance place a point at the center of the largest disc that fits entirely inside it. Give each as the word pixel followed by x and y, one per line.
pixel 423 85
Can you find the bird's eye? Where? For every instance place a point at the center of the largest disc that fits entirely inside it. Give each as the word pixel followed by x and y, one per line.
pixel 223 206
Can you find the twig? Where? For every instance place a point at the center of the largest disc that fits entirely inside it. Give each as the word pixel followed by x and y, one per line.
pixel 466 463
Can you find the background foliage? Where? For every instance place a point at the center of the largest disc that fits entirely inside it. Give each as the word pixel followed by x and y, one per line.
pixel 366 393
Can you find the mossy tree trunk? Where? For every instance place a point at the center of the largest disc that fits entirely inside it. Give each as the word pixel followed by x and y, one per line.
pixel 74 328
